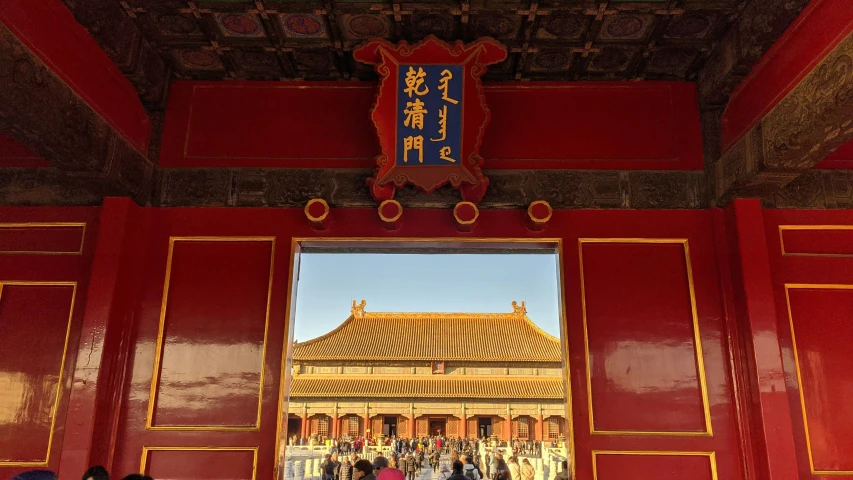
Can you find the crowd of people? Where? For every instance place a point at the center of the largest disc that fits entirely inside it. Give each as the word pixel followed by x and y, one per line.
pixel 94 473
pixel 408 458
pixel 347 445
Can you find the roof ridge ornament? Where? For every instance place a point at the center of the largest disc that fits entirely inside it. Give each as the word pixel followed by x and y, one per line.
pixel 519 310
pixel 358 309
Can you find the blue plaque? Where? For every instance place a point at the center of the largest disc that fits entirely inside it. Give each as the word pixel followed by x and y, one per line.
pixel 429 115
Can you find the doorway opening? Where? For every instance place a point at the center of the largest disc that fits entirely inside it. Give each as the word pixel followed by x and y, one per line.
pixel 484 427
pixel 294 427
pixel 389 427
pixel 437 426
pixel 402 344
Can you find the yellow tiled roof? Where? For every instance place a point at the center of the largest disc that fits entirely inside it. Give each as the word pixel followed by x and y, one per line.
pixel 304 386
pixel 434 336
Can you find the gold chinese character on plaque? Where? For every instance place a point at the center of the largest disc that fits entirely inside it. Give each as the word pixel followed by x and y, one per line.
pixel 415 82
pixel 416 144
pixel 415 112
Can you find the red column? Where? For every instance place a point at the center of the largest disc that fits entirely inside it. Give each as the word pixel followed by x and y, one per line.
pixel 366 425
pixel 96 391
pixel 335 425
pixel 540 427
pixel 303 430
pixel 412 427
pixel 463 428
pixel 766 430
pixel 507 428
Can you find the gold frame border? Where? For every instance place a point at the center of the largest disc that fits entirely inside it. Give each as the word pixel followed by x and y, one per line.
pixel 143 463
pixel 813 286
pixel 158 354
pixel 712 458
pixel 295 250
pixel 784 228
pixel 46 225
pixel 59 381
pixel 697 340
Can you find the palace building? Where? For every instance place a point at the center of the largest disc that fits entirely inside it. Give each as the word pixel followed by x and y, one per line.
pixel 415 374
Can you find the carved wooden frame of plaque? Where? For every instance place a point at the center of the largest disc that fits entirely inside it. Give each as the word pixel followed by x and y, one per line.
pixel 466 176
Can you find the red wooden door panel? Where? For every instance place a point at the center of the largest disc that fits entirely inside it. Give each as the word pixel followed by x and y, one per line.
pixel 659 385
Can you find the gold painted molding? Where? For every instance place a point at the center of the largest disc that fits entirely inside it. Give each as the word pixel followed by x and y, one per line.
pixel 697 339
pixel 155 377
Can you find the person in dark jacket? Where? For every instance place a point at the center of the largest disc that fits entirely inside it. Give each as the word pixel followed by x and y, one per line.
pixel 345 470
pixel 457 471
pixel 564 473
pixel 363 470
pixel 411 467
pixel 328 468
pixel 501 469
pixel 403 464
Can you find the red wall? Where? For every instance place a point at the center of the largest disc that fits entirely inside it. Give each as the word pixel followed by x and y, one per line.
pixel 225 275
pixel 812 263
pixel 15 155
pixel 202 294
pixel 45 255
pixel 254 124
pixel 839 159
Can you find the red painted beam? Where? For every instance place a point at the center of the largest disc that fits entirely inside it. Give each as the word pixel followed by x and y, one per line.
pixel 15 155
pixel 839 159
pixel 602 125
pixel 49 29
pixel 820 27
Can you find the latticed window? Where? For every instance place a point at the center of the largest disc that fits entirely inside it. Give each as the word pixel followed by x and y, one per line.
pixel 352 426
pixel 553 428
pixel 523 427
pixel 323 426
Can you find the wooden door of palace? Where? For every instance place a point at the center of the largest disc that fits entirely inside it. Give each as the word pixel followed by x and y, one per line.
pixel 650 378
pixel 651 393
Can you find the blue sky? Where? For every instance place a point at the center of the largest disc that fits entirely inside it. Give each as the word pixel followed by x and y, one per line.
pixel 328 283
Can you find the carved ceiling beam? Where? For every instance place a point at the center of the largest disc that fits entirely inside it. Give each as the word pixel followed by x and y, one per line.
pixel 41 111
pixel 45 186
pixel 114 26
pixel 809 123
pixel 758 26
pixel 508 189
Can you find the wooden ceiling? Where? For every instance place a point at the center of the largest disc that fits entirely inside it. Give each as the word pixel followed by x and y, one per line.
pixel 558 40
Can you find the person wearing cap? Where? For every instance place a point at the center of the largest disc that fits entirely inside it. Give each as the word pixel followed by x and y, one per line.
pixel 379 463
